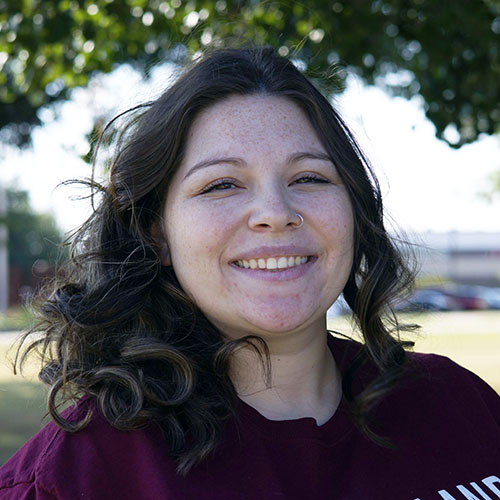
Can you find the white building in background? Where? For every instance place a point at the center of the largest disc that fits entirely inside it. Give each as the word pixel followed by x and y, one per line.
pixel 469 258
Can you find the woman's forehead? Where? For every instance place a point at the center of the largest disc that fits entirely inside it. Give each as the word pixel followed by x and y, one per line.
pixel 253 121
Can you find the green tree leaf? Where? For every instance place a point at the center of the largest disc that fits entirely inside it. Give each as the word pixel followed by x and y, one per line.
pixel 450 51
pixel 32 238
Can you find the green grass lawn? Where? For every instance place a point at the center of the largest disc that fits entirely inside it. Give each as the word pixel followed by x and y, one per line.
pixel 22 407
pixel 17 318
pixel 22 402
pixel 470 338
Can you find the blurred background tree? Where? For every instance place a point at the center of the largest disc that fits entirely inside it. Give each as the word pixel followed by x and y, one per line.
pixel 33 244
pixel 448 51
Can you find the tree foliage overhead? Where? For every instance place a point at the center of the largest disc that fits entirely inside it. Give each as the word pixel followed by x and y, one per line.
pixel 447 51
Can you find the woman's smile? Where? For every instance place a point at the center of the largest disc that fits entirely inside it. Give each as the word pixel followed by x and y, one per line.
pixel 272 263
pixel 279 269
pixel 269 258
pixel 257 213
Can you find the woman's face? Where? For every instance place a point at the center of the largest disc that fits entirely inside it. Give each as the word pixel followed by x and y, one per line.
pixel 237 245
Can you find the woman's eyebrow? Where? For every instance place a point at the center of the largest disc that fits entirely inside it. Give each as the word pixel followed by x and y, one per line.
pixel 292 158
pixel 214 161
pixel 307 155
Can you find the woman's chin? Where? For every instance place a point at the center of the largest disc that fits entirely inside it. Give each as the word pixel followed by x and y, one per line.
pixel 279 323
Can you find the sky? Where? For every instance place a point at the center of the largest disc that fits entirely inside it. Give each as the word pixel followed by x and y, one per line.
pixel 427 185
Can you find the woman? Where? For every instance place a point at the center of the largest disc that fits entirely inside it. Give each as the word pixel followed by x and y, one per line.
pixel 192 326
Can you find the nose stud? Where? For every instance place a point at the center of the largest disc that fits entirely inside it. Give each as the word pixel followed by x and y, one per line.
pixel 301 223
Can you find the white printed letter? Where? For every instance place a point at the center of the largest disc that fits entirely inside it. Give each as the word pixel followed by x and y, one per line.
pixel 466 493
pixel 480 491
pixel 444 494
pixel 489 482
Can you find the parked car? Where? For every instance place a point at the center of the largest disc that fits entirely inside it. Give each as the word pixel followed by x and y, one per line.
pixel 466 297
pixel 425 299
pixel 490 295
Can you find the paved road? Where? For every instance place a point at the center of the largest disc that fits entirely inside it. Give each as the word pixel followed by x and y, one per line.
pixel 7 338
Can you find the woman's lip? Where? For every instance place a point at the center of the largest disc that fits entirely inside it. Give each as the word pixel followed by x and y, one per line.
pixel 285 274
pixel 266 252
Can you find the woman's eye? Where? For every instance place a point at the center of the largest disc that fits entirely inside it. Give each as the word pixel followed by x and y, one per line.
pixel 306 179
pixel 220 185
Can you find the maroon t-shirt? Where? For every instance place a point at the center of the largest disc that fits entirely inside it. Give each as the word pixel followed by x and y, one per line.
pixel 443 421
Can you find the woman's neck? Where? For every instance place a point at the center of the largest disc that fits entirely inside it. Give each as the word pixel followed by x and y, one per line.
pixel 304 381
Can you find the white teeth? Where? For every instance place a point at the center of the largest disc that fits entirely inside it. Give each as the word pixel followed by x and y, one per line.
pixel 272 263
pixel 282 263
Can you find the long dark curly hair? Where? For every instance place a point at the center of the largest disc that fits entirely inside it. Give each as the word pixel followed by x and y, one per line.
pixel 117 325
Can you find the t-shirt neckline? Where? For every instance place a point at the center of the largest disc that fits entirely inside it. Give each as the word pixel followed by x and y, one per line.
pixel 336 427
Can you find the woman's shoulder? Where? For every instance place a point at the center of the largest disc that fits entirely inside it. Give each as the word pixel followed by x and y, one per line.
pixel 439 369
pixel 453 381
pixel 430 377
pixel 28 463
pixel 32 466
pixel 58 464
pixel 19 475
pixel 441 394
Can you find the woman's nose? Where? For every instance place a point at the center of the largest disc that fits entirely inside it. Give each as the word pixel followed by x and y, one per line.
pixel 273 211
